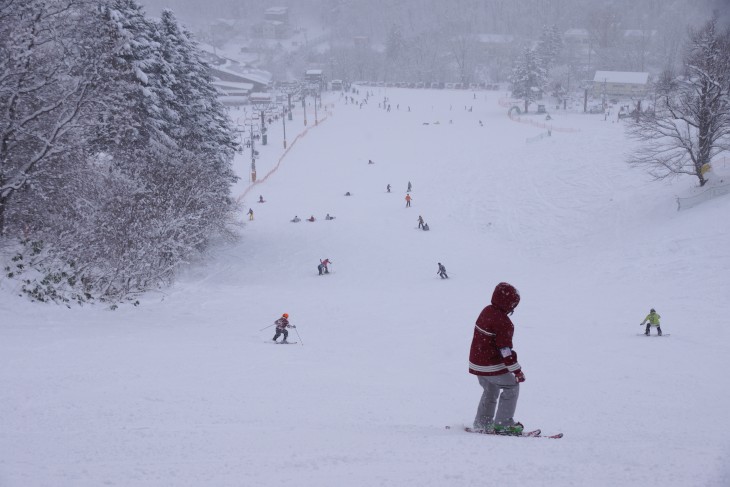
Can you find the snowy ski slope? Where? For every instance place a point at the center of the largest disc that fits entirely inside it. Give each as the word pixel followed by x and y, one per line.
pixel 185 390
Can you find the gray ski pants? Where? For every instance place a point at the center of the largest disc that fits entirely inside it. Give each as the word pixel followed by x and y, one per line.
pixel 489 412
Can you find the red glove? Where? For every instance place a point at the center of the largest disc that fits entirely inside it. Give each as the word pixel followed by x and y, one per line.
pixel 519 376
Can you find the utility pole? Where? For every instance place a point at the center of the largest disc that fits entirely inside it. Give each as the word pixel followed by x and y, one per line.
pixel 253 157
pixel 315 109
pixel 304 106
pixel 263 128
pixel 283 121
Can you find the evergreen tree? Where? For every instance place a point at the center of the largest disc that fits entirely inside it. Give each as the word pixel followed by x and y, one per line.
pixel 549 46
pixel 142 181
pixel 528 77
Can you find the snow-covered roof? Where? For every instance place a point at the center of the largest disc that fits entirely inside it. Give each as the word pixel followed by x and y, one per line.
pixel 233 85
pixel 629 77
pixel 495 38
pixel 314 72
pixel 247 74
pixel 277 10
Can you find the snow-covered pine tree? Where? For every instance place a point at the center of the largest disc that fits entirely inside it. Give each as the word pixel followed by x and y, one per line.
pixel 44 93
pixel 528 77
pixel 146 184
pixel 200 175
pixel 549 46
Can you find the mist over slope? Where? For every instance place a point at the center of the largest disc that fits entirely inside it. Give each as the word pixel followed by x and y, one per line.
pixel 186 389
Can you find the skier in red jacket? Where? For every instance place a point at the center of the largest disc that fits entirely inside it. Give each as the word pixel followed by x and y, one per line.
pixel 495 364
pixel 281 325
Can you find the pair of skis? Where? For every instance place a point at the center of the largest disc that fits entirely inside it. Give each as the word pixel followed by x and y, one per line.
pixel 525 434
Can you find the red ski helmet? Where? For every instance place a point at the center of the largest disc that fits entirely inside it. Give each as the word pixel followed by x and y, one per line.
pixel 285 315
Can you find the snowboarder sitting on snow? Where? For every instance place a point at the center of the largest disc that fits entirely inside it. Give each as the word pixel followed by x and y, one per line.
pixel 261 199
pixel 426 227
pixel 296 219
pixel 281 325
pixel 328 217
pixel 652 319
pixel 493 361
pixel 442 271
pixel 348 194
pixel 311 218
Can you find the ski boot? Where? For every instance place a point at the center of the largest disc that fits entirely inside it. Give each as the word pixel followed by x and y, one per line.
pixel 515 429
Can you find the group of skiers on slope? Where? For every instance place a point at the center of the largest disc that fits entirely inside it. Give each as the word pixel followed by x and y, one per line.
pixel 296 219
pixel 410 188
pixel 493 360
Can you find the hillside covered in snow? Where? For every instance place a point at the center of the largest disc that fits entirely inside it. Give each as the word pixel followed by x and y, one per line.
pixel 188 390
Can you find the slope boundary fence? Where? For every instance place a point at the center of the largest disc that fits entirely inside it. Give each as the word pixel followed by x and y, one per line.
pixel 281 158
pixel 508 103
pixel 714 192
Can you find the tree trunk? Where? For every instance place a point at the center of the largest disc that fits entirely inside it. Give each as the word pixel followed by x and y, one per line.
pixel 3 202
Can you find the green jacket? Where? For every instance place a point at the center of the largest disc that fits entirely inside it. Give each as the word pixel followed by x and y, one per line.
pixel 652 318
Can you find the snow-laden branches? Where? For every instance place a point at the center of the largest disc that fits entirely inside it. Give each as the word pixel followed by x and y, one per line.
pixel 691 121
pixel 109 171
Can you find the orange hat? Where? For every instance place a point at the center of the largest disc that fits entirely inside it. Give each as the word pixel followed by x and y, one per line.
pixel 285 315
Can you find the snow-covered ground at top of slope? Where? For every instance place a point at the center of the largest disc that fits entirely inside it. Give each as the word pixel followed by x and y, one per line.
pixel 186 390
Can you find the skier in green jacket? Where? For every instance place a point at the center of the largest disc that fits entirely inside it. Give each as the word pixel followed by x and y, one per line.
pixel 652 319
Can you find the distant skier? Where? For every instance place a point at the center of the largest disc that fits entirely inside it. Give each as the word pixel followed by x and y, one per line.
pixel 323 266
pixel 388 188
pixel 261 199
pixel 652 319
pixel 409 187
pixel 420 221
pixel 295 219
pixel 493 361
pixel 370 161
pixel 442 271
pixel 408 200
pixel 328 217
pixel 250 214
pixel 311 218
pixel 281 325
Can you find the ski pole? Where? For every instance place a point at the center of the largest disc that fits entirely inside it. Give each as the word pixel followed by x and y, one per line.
pixel 262 329
pixel 300 338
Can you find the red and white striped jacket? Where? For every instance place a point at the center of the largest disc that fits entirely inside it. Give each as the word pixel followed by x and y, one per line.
pixel 282 323
pixel 491 347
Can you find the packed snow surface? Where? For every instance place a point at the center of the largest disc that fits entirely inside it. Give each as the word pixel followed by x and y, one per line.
pixel 187 390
